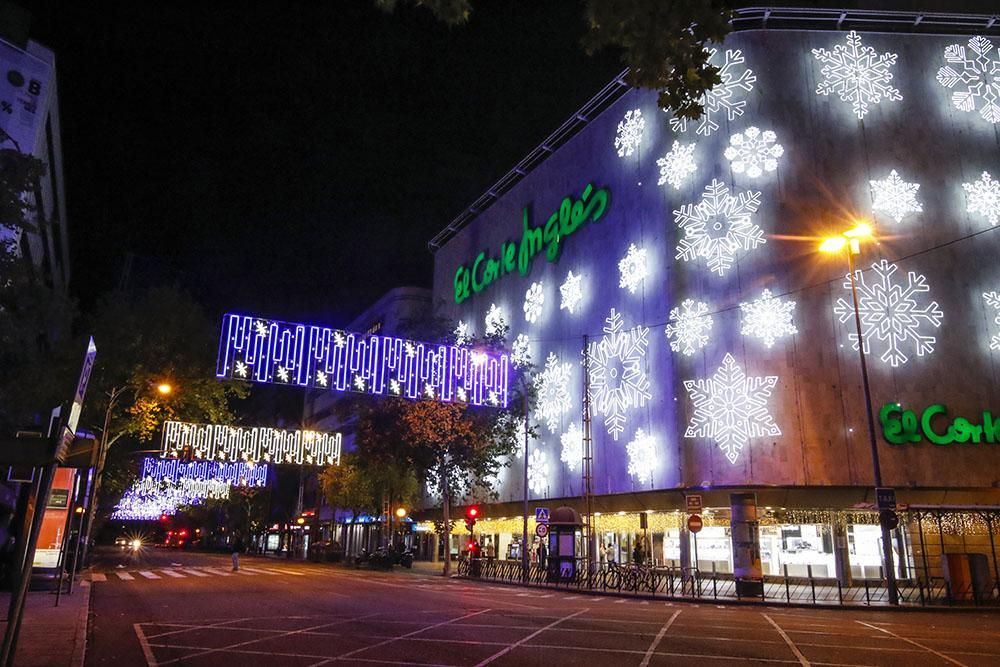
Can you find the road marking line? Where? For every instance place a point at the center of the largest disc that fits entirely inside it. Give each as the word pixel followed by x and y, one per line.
pixel 572 597
pixel 910 641
pixel 217 571
pixel 196 573
pixel 622 601
pixel 257 571
pixel 148 574
pixel 147 652
pixel 409 634
pixel 97 576
pixel 125 575
pixel 534 634
pixel 291 572
pixel 173 573
pixel 659 638
pixel 243 570
pixel 791 644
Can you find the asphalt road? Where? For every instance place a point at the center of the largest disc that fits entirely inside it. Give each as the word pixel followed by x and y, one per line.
pixel 174 607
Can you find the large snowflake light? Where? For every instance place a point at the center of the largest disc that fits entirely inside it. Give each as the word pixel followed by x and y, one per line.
pixel 677 165
pixel 979 75
pixel 724 96
pixel 633 268
pixel 629 134
pixel 496 323
pixel 984 197
pixel 572 447
pixel 689 326
pixel 767 318
pixel 718 226
pixel 993 299
pixel 552 385
pixel 890 313
pixel 642 457
pixel 463 333
pixel 618 382
pixel 534 300
pixel 731 408
pixel 520 351
pixel 538 471
pixel 753 152
pixel 857 73
pixel 571 292
pixel 895 197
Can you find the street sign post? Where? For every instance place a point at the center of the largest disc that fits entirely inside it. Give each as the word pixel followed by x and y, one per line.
pixel 693 504
pixel 542 530
pixel 886 498
pixel 541 515
pixel 695 523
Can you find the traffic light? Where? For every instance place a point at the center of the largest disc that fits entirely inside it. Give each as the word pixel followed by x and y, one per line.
pixel 470 517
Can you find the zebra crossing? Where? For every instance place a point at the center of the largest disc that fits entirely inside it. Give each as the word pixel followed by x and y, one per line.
pixel 202 571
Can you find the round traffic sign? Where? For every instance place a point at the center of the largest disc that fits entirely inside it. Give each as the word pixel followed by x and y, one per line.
pixel 695 523
pixel 542 529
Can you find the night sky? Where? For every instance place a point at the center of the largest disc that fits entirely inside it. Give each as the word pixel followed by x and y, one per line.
pixel 293 159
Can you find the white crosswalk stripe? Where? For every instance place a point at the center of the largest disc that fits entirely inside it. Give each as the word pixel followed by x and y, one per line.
pixel 291 572
pixel 97 576
pixel 196 573
pixel 217 571
pixel 255 570
pixel 148 574
pixel 125 575
pixel 173 573
pixel 201 571
pixel 243 570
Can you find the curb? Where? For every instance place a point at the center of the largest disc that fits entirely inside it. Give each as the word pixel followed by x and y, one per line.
pixel 82 627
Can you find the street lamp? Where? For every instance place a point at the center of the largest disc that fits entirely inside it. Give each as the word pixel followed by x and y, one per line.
pixel 851 241
pixel 164 388
pixel 401 513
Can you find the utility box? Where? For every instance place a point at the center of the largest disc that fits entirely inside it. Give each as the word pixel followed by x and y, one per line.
pixel 968 577
pixel 564 522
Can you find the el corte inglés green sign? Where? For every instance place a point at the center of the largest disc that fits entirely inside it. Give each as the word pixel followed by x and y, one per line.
pixel 484 271
pixel 901 426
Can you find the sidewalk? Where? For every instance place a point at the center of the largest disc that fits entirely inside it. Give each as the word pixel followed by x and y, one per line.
pixel 52 636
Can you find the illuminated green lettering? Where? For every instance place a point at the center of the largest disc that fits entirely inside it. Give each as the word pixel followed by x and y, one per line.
pixel 925 424
pixel 509 257
pixel 531 244
pixel 898 430
pixel 991 428
pixel 477 286
pixel 461 284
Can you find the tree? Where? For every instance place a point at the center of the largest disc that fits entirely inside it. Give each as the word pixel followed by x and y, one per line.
pixel 348 487
pixel 663 42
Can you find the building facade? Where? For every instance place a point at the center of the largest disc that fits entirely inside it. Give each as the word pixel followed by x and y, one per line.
pixel 678 260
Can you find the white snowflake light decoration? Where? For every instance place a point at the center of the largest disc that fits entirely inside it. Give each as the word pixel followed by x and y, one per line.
pixel 538 471
pixel 633 268
pixel 463 334
pixel 642 457
pixel 496 323
pixel 767 318
pixel 283 374
pixel 730 408
pixel 718 226
pixel 520 351
pixel 338 339
pixel 689 326
pixel 890 313
pixel 677 165
pixel 857 73
pixel 261 328
pixel 618 381
pixel 395 388
pixel 534 299
pixel 411 349
pixel 571 292
pixel 979 75
pixel 753 152
pixel 572 447
pixel 629 134
pixel 993 299
pixel 895 197
pixel 321 378
pixel 984 197
pixel 552 385
pixel 241 369
pixel 724 96
pixel 359 383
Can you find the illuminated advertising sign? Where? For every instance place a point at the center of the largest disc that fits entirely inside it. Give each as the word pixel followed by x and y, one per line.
pixel 220 442
pixel 901 426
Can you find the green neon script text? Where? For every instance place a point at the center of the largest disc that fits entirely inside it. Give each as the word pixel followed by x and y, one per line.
pixel 901 426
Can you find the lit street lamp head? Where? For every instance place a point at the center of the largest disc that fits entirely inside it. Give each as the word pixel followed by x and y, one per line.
pixel 833 244
pixel 401 512
pixel 164 388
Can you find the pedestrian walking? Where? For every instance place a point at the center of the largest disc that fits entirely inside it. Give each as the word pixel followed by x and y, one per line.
pixel 542 554
pixel 237 548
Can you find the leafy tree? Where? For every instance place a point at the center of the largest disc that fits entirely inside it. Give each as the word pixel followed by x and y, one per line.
pixel 662 42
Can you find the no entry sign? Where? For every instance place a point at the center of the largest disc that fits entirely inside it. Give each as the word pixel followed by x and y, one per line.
pixel 695 523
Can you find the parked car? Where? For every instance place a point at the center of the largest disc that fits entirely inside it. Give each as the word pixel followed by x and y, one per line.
pixel 326 551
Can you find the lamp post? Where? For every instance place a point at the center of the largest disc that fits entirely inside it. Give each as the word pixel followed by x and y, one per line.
pixel 851 242
pixel 524 527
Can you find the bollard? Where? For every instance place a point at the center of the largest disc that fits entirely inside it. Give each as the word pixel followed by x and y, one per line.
pixel 788 591
pixel 812 582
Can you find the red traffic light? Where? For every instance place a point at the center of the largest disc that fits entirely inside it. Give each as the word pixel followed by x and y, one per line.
pixel 164 518
pixel 472 512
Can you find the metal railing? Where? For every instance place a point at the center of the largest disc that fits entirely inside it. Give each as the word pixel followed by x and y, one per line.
pixel 672 582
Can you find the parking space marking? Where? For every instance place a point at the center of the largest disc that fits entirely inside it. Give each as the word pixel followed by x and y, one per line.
pixel 659 637
pixel 791 644
pixel 910 641
pixel 505 651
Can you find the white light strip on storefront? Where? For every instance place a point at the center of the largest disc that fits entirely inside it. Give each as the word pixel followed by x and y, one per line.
pixel 255 444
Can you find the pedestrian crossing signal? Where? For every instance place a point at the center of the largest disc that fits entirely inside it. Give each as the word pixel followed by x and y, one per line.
pixel 470 517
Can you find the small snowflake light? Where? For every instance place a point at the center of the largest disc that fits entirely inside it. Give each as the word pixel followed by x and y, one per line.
pixel 895 197
pixel 753 152
pixel 993 299
pixel 642 457
pixel 462 333
pixel 463 396
pixel 493 398
pixel 478 358
pixel 618 381
pixel 857 73
pixel 677 165
pixel 984 197
pixel 718 226
pixel 411 349
pixel 767 318
pixel 734 84
pixel 496 323
pixel 689 326
pixel 979 75
pixel 571 292
pixel 534 300
pixel 538 471
pixel 629 134
pixel 429 390
pixel 730 408
pixel 338 339
pixel 572 447
pixel 241 369
pixel 891 316
pixel 633 268
pixel 552 385
pixel 321 378
pixel 396 389
pixel 283 374
pixel 520 351
pixel 261 327
pixel 359 383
